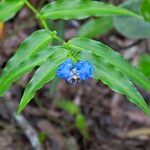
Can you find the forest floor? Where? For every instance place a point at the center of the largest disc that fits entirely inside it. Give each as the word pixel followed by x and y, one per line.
pixel 113 122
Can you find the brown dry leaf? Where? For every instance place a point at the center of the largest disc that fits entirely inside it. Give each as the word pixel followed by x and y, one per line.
pixel 1 30
pixel 138 132
pixel 138 117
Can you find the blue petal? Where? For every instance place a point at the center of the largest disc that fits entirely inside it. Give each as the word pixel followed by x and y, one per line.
pixel 65 68
pixel 82 70
pixel 85 70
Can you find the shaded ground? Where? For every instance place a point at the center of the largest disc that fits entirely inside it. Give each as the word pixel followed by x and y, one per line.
pixel 110 116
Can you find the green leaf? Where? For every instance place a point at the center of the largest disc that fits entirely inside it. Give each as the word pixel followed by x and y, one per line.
pixel 26 66
pixel 130 26
pixel 80 10
pixel 115 79
pixel 29 47
pixel 9 8
pixel 42 137
pixel 68 106
pixel 96 27
pixel 111 57
pixel 53 86
pixel 43 75
pixel 81 125
pixel 146 9
pixel 144 64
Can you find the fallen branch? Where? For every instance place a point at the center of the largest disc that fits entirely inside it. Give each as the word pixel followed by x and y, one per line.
pixel 22 122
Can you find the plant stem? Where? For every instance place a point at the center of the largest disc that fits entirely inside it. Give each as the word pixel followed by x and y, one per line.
pixel 35 11
pixel 59 39
pixel 31 7
pixel 40 17
pixel 43 22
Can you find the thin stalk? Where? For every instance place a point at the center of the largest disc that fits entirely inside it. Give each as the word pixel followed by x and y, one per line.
pixel 31 7
pixel 37 13
pixel 59 39
pixel 39 16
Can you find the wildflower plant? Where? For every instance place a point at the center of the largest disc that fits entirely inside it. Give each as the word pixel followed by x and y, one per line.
pixel 82 70
pixel 75 60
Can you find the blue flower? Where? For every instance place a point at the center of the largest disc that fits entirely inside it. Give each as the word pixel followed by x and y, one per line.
pixel 72 73
pixel 84 69
pixel 65 68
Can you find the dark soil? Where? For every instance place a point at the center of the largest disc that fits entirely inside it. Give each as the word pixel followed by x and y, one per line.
pixel 111 117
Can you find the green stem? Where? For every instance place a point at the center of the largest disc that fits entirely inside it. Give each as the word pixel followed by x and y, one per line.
pixel 31 7
pixel 43 22
pixel 35 11
pixel 39 16
pixel 59 39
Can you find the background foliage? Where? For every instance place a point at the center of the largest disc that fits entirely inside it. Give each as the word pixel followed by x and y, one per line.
pixel 44 50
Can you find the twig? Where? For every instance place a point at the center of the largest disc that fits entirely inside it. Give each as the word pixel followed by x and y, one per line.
pixel 22 122
pixel 30 132
pixel 138 132
pixel 132 44
pixel 77 98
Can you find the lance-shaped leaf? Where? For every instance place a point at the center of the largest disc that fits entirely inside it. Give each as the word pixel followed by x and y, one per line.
pixel 26 66
pixel 80 10
pixel 115 79
pixel 81 124
pixel 68 106
pixel 43 75
pixel 130 26
pixel 146 9
pixel 96 27
pixel 29 47
pixel 112 57
pixel 144 64
pixel 9 8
